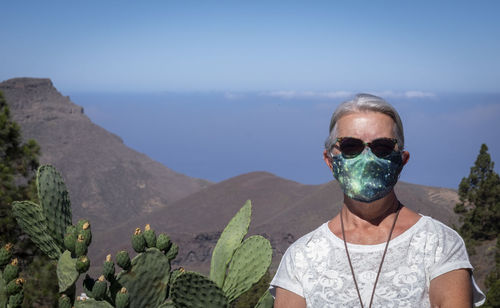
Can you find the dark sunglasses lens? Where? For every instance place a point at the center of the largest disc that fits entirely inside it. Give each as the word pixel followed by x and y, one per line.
pixel 351 147
pixel 382 147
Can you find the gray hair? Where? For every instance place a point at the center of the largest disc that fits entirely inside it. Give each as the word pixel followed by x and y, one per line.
pixel 365 102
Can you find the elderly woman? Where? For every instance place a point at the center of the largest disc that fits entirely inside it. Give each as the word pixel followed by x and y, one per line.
pixel 376 252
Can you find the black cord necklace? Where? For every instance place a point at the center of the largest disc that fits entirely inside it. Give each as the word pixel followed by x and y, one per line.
pixel 381 262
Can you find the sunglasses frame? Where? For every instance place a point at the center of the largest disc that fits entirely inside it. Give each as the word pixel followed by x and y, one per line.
pixel 365 144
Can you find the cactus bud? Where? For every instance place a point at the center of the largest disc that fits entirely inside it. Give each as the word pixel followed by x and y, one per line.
pixel 108 269
pixel 86 232
pixel 99 289
pixel 64 301
pixel 11 271
pixel 80 246
pixel 122 299
pixel 172 252
pixel 138 241
pixel 163 242
pixel 123 260
pixel 5 254
pixel 150 236
pixel 15 286
pixel 82 264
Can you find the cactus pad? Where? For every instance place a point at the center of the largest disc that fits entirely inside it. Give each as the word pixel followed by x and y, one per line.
pixel 122 299
pixel 265 301
pixel 229 240
pixel 250 262
pixel 16 300
pixel 196 291
pixel 5 254
pixel 65 301
pixel 55 202
pixel 30 217
pixel 172 252
pixel 66 271
pixel 138 241
pixel 150 236
pixel 82 264
pixel 108 268
pixel 15 286
pixel 11 271
pixel 100 287
pixel 163 242
pixel 147 280
pixel 80 246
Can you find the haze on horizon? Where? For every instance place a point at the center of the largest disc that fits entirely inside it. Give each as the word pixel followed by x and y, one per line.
pixel 277 69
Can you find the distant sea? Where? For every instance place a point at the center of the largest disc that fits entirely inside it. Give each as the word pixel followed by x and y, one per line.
pixel 218 135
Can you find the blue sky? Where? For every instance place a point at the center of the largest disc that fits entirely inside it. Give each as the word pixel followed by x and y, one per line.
pixel 219 88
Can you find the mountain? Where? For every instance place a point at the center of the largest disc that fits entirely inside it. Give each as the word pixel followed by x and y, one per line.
pixel 283 211
pixel 108 181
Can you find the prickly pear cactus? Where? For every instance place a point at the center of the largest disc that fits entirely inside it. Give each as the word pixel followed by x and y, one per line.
pixel 31 219
pixel 108 268
pixel 150 236
pixel 228 242
pixel 188 288
pixel 163 242
pixel 122 299
pixel 11 271
pixel 123 260
pixel 5 254
pixel 147 280
pixel 54 199
pixel 66 271
pixel 138 241
pixel 265 301
pixel 249 263
pixel 92 303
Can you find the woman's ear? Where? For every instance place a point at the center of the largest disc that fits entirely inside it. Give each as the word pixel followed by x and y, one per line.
pixel 327 159
pixel 406 157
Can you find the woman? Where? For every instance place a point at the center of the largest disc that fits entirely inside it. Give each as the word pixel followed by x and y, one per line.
pixel 375 252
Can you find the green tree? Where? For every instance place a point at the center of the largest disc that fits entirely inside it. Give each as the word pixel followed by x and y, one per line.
pixel 18 163
pixel 479 206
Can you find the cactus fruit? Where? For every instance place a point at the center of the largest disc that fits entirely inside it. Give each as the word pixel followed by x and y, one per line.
pixel 138 241
pixel 65 301
pixel 100 288
pixel 11 271
pixel 172 252
pixel 108 269
pixel 163 242
pixel 82 264
pixel 15 286
pixel 86 233
pixel 80 246
pixel 5 254
pixel 122 299
pixel 150 236
pixel 16 300
pixel 188 288
pixel 123 260
pixel 229 241
pixel 70 240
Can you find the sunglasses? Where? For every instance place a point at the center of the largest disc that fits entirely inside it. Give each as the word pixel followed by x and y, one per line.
pixel 351 147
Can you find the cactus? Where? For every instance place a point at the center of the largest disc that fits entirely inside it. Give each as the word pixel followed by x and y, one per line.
pixel 11 271
pixel 150 236
pixel 92 303
pixel 228 242
pixel 123 260
pixel 16 300
pixel 100 288
pixel 108 269
pixel 80 246
pixel 5 254
pixel 66 271
pixel 65 301
pixel 172 252
pixel 147 280
pixel 265 301
pixel 31 219
pixel 138 241
pixel 82 264
pixel 54 199
pixel 249 263
pixel 163 242
pixel 85 231
pixel 122 299
pixel 15 286
pixel 188 287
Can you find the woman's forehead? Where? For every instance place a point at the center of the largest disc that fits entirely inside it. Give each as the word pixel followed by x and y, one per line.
pixel 365 125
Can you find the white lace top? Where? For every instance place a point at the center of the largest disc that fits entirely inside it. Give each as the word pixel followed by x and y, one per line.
pixel 316 267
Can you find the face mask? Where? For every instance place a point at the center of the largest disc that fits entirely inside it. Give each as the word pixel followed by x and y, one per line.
pixel 367 177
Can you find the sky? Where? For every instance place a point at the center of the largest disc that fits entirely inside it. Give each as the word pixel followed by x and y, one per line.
pixel 219 88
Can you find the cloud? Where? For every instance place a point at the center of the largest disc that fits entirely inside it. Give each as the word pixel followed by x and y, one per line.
pixel 346 94
pixel 232 96
pixel 406 94
pixel 308 94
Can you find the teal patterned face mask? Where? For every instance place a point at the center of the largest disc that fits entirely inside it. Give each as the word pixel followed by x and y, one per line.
pixel 367 177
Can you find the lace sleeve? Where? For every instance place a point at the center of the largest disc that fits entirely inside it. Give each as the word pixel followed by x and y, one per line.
pixel 287 276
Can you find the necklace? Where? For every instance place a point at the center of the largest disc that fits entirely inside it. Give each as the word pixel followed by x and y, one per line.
pixel 381 262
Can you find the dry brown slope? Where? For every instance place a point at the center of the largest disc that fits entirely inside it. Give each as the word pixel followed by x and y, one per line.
pixel 108 181
pixel 282 211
